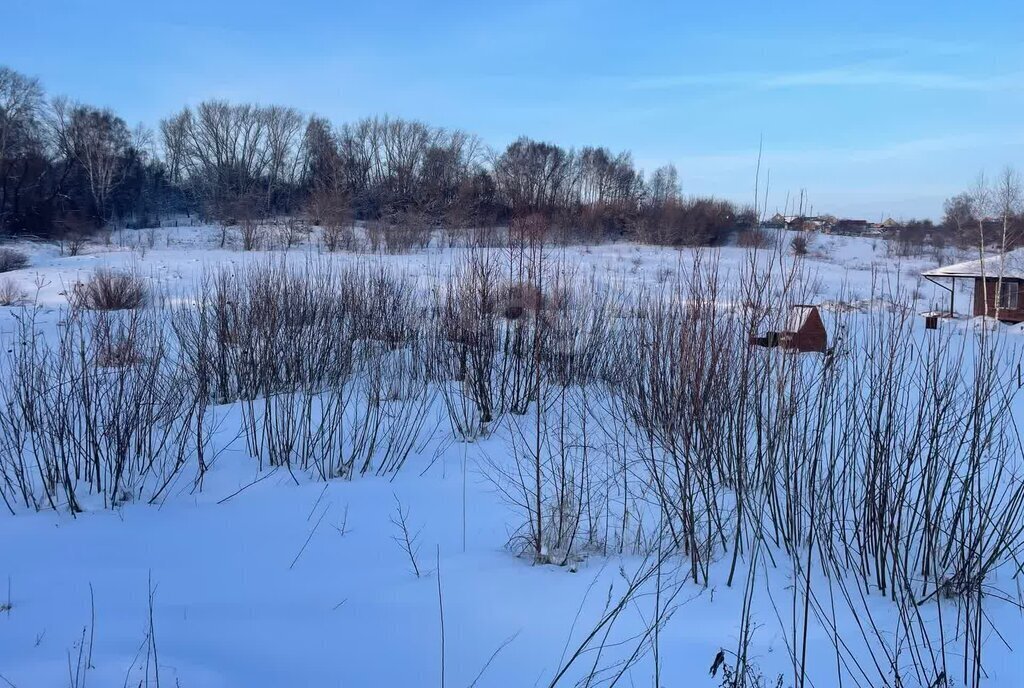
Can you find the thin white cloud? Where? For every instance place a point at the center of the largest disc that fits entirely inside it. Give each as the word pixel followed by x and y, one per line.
pixel 722 166
pixel 656 83
pixel 903 79
pixel 842 77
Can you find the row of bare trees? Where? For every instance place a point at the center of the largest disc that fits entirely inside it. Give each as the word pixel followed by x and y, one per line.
pixel 990 213
pixel 66 168
pixel 223 153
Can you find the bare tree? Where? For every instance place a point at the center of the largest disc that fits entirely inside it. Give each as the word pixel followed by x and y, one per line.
pixel 174 141
pixel 20 102
pixel 959 214
pixel 284 127
pixel 97 141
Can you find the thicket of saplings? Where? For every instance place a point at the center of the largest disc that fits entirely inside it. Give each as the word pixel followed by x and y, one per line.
pixel 638 419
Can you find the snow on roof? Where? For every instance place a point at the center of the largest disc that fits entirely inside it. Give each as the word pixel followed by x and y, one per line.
pixel 1010 264
pixel 798 317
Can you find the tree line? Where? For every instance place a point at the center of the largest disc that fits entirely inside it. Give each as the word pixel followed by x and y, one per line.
pixel 68 167
pixel 990 213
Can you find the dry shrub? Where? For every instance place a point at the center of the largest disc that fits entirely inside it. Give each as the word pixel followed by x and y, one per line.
pixel 117 344
pixel 483 236
pixel 399 233
pixel 290 233
pixel 11 292
pixel 73 244
pixel 11 259
pixel 375 234
pixel 520 298
pixel 339 237
pixel 119 354
pixel 409 231
pixel 250 229
pixel 330 209
pixel 754 238
pixel 110 290
pixel 800 244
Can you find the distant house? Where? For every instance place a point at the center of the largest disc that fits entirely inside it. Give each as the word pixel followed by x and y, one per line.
pixel 997 284
pixel 890 223
pixel 778 221
pixel 807 224
pixel 854 227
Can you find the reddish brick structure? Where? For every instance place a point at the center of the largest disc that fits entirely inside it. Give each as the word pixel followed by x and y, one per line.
pixel 999 298
pixel 805 332
pixel 998 284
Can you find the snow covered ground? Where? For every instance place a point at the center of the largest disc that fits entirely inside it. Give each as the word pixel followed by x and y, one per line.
pixel 262 580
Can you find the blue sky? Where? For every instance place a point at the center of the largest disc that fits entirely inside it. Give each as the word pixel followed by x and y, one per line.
pixel 875 108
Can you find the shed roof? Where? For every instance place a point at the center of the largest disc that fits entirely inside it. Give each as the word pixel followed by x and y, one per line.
pixel 1009 264
pixel 798 317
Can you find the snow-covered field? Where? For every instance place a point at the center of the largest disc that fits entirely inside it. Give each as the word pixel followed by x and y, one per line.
pixel 275 578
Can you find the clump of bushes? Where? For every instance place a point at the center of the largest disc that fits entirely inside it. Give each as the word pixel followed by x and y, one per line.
pixel 399 233
pixel 117 344
pixel 11 259
pixel 520 298
pixel 11 292
pixel 110 290
pixel 800 244
pixel 339 237
pixel 755 238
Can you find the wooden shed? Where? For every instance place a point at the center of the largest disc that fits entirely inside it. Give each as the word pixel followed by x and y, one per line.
pixel 804 331
pixel 997 280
